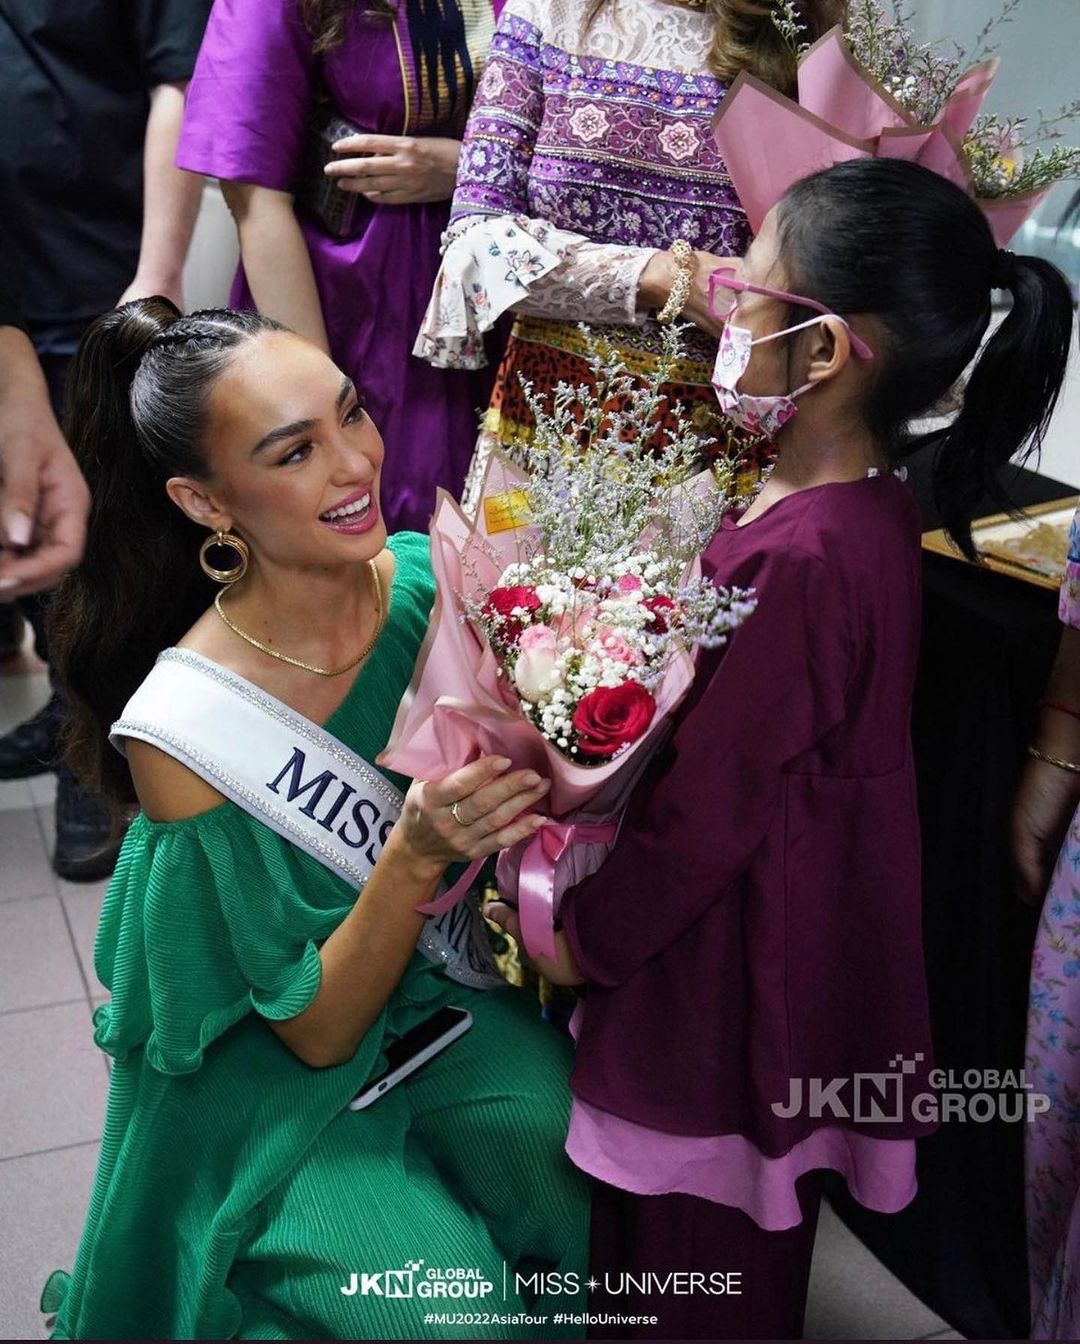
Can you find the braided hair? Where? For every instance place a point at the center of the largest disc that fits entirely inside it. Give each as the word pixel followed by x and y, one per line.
pixel 137 403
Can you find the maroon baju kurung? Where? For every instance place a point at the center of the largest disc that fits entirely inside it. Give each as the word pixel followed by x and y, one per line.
pixel 758 924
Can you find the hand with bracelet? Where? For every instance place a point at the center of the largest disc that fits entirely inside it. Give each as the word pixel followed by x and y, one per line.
pixel 665 277
pixel 1050 787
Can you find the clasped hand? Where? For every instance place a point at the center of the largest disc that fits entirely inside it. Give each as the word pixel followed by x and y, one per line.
pixel 473 812
pixel 396 169
pixel 44 501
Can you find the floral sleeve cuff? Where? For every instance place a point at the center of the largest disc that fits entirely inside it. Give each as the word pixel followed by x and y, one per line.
pixel 485 270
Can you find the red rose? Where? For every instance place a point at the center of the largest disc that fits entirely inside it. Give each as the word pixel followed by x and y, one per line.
pixel 659 605
pixel 503 601
pixel 611 717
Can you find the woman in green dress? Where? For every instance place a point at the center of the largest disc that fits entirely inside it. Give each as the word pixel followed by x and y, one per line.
pixel 253 994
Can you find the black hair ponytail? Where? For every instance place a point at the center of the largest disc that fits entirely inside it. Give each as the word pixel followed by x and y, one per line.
pixel 1010 395
pixel 136 415
pixel 891 240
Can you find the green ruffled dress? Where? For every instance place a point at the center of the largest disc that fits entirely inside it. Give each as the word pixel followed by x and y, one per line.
pixel 235 1194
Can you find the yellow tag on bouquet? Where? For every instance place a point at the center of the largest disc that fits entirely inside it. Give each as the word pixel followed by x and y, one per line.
pixel 505 512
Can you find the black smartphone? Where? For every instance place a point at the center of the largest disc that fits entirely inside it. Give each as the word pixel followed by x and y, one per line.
pixel 411 1051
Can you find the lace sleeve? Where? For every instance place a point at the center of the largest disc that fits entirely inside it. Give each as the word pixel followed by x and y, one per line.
pixel 597 282
pixel 492 264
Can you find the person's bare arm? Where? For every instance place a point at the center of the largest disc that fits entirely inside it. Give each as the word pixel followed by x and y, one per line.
pixel 366 955
pixel 1048 795
pixel 44 501
pixel 276 259
pixel 171 200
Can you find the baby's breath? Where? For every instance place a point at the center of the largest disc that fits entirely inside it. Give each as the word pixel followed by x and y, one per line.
pixel 618 509
pixel 1003 156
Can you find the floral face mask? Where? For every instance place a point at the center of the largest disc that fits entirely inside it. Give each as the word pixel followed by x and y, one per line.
pixel 758 415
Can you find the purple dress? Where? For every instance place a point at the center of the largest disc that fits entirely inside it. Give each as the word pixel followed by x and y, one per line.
pixel 757 1004
pixel 248 106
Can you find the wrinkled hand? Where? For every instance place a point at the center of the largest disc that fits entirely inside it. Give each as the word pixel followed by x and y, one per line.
pixel 473 812
pixel 397 169
pixel 1041 814
pixel 562 971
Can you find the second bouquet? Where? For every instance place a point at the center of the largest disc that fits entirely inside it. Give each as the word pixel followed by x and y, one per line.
pixel 567 614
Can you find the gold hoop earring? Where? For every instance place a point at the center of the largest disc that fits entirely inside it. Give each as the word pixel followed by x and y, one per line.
pixel 228 541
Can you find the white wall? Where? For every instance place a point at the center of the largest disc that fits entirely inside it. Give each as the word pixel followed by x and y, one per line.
pixel 1061 454
pixel 213 254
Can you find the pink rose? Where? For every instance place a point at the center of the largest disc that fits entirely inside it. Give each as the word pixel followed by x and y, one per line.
pixel 536 671
pixel 628 583
pixel 612 717
pixel 617 647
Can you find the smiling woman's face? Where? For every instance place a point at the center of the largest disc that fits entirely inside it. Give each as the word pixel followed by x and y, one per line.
pixel 294 458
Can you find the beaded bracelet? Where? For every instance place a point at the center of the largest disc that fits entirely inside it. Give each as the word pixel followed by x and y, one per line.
pixel 1062 709
pixel 1071 766
pixel 682 256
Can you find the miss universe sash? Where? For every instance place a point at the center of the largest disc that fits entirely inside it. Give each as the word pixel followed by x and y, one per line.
pixel 295 778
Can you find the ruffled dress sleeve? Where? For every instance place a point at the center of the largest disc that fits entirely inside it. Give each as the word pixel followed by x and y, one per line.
pixel 207 920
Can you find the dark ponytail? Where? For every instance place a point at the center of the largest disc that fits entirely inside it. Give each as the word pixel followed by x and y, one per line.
pixel 1010 396
pixel 888 239
pixel 136 416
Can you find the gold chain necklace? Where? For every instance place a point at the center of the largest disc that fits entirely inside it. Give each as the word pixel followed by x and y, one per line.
pixel 308 667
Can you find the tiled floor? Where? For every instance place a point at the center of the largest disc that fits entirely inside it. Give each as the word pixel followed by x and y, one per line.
pixel 55 1082
pixel 52 1100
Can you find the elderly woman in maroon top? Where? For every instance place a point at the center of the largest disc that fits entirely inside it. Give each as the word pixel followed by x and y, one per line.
pixel 752 947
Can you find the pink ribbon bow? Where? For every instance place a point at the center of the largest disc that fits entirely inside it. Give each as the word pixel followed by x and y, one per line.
pixel 536 889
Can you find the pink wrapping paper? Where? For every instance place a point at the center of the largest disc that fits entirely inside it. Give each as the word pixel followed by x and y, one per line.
pixel 769 142
pixel 457 709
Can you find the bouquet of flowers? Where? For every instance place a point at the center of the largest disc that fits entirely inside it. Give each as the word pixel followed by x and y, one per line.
pixel 566 616
pixel 870 89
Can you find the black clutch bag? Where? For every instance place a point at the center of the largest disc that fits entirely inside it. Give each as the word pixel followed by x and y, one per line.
pixel 318 197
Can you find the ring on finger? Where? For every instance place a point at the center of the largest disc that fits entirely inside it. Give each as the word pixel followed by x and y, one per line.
pixel 456 814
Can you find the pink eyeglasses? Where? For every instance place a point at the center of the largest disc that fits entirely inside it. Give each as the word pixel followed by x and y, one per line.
pixel 725 277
